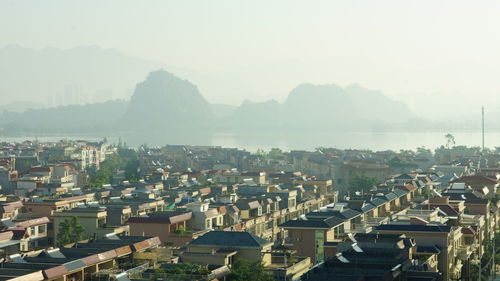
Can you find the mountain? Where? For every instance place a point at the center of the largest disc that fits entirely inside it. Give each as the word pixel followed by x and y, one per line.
pixel 222 110
pixel 60 77
pixel 323 107
pixel 77 119
pixel 20 106
pixel 166 101
pixel 168 109
pixel 256 116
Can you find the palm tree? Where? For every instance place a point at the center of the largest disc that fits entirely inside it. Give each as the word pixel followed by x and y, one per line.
pixel 450 140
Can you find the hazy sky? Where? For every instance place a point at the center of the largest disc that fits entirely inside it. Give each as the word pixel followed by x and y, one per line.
pixel 411 50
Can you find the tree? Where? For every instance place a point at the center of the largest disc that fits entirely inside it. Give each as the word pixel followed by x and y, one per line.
pixel 407 152
pixel 450 140
pixel 132 171
pixel 360 182
pixel 130 163
pixel 244 270
pixel 188 268
pixel 70 231
pixel 395 162
pixel 275 153
pixel 424 152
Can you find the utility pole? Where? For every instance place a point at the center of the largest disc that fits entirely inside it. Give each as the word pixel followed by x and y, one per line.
pixel 479 278
pixel 482 123
pixel 494 267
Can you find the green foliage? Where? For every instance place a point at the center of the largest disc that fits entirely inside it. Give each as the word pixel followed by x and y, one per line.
pixel 130 163
pixel 182 230
pixel 424 152
pixel 260 152
pixel 244 270
pixel 487 260
pixel 126 159
pixel 450 140
pixel 70 231
pixel 407 152
pixel 187 268
pixel 360 182
pixel 132 171
pixel 395 162
pixel 275 153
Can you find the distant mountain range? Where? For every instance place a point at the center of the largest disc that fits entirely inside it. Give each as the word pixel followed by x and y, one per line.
pixel 167 105
pixel 322 107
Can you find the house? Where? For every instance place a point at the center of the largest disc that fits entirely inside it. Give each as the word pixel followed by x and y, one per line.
pixel 478 182
pixel 444 237
pixel 308 236
pixel 93 219
pixel 31 232
pixel 168 226
pixel 224 247
pixel 376 257
pixel 100 259
pixel 204 218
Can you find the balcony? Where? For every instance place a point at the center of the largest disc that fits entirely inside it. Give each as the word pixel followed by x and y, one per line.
pixel 293 268
pixel 464 252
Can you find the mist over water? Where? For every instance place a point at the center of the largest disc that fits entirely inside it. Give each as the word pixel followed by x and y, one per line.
pixel 300 141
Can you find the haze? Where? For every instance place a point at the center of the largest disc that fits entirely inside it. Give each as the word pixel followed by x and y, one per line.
pixel 424 53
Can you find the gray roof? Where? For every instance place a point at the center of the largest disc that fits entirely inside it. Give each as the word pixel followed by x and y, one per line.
pixel 399 192
pixel 378 201
pixel 313 223
pixel 415 227
pixel 391 196
pixel 344 215
pixel 229 239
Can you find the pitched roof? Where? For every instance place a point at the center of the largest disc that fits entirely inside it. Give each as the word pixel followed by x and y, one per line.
pixel 469 198
pixel 230 239
pixel 344 214
pixel 163 217
pixel 378 201
pixel 407 187
pixel 327 223
pixel 446 208
pixel 415 227
pixel 429 249
pixel 399 192
pixel 390 196
pixel 477 180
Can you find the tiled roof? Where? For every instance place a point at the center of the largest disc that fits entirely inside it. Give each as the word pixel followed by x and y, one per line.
pixel 229 239
pixel 469 198
pixel 378 201
pixel 345 214
pixel 448 209
pixel 428 249
pixel 477 180
pixel 415 227
pixel 163 217
pixel 390 196
pixel 327 223
pixel 399 192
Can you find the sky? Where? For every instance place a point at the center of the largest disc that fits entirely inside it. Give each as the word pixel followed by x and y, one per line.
pixel 421 52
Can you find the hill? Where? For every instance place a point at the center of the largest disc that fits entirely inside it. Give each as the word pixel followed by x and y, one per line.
pixel 77 119
pixel 166 101
pixel 322 107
